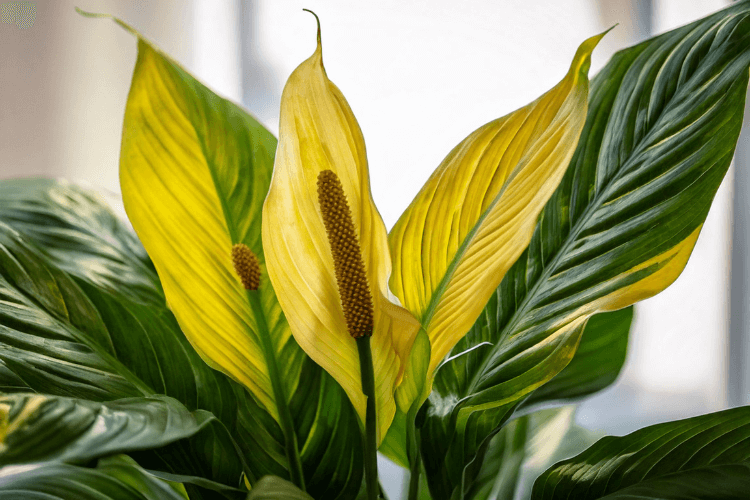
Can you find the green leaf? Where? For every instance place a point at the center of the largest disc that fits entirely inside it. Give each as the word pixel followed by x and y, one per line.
pixel 81 235
pixel 501 467
pixel 275 488
pixel 703 457
pixel 36 428
pixel 663 120
pixel 222 490
pixel 113 479
pixel 595 365
pixel 54 339
pixel 511 465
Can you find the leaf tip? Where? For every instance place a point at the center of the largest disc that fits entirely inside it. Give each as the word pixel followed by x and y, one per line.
pixel 317 20
pixel 99 15
pixel 582 60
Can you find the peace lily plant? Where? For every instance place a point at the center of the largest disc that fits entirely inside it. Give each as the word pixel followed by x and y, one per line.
pixel 264 336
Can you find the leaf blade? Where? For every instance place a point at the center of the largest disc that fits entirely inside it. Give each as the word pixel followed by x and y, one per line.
pixel 664 117
pixel 664 454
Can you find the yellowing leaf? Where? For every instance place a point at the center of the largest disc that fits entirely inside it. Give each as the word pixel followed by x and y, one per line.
pixel 317 132
pixel 194 170
pixel 477 212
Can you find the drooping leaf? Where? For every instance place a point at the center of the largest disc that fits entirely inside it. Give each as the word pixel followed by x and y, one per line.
pixel 145 338
pixel 112 479
pixel 477 212
pixel 275 488
pixel 149 343
pixel 81 234
pixel 663 120
pixel 54 340
pixel 217 490
pixel 36 428
pixel 705 457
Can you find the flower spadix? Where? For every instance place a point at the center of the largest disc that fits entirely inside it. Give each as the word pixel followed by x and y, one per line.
pixel 320 172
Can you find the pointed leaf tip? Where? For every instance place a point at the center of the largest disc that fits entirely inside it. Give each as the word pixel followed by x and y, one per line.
pixel 582 60
pixel 317 20
pixel 98 15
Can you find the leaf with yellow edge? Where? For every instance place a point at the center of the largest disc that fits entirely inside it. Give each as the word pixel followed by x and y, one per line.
pixel 194 171
pixel 662 125
pixel 477 212
pixel 317 132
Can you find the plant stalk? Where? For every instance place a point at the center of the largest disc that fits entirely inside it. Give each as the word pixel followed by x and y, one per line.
pixel 285 416
pixel 371 438
pixel 415 467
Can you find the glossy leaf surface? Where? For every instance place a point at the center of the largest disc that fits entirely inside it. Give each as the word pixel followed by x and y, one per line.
pixel 54 340
pixel 37 428
pixel 111 480
pixel 596 363
pixel 149 344
pixel 663 120
pixel 703 457
pixel 82 235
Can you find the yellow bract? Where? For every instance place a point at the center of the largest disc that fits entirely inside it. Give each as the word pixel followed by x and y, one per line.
pixel 193 179
pixel 317 132
pixel 477 212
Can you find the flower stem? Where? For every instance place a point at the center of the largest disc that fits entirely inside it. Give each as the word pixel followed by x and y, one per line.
pixel 285 416
pixel 371 439
pixel 415 467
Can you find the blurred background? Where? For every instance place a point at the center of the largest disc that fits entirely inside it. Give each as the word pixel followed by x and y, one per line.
pixel 420 75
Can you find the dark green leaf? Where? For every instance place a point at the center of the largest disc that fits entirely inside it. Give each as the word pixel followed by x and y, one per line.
pixel 275 488
pixel 663 120
pixel 40 428
pixel 81 235
pixel 704 457
pixel 111 480
pixel 217 490
pixel 55 340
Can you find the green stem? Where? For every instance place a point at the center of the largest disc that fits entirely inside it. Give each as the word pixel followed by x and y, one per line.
pixel 285 416
pixel 415 467
pixel 371 439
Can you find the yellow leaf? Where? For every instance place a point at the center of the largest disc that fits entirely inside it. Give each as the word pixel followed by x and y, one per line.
pixel 317 132
pixel 194 170
pixel 477 212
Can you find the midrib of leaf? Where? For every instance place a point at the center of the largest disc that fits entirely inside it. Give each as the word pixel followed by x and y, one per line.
pixel 437 295
pixel 594 205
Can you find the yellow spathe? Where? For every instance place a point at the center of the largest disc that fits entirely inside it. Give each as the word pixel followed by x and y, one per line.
pixel 317 132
